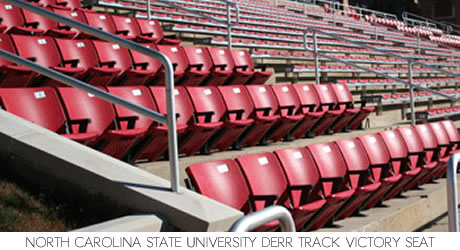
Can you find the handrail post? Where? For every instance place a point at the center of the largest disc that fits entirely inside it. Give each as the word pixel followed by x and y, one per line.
pixel 259 218
pixel 149 10
pixel 375 28
pixel 452 198
pixel 229 26
pixel 411 91
pixel 315 52
pixel 418 41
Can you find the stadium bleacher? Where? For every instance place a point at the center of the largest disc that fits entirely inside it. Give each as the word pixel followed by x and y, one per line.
pixel 258 92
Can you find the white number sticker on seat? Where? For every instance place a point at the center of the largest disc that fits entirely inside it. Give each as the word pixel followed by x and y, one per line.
pixel 236 90
pixel 351 144
pixel 222 52
pixel 90 95
pixel 263 160
pixel 80 44
pixel 174 49
pixel 306 88
pixel 199 51
pixel 222 168
pixel 324 88
pixel 74 14
pixel 116 46
pixel 373 140
pixel 285 89
pixel 409 132
pixel 262 90
pixel 340 87
pixel 297 155
pixel 41 41
pixel 8 6
pixel 207 92
pixel 102 17
pixel 176 92
pixel 327 149
pixel 40 94
pixel 241 53
pixel 152 22
pixel 137 92
pixel 391 135
pixel 128 20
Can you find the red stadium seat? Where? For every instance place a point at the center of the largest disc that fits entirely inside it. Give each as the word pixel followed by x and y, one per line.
pixel 238 100
pixel 102 21
pixel 43 50
pixel 352 117
pixel 152 28
pixel 76 15
pixel 13 19
pixel 200 61
pixel 12 75
pixel 49 27
pixel 444 146
pixel 199 129
pixel 208 102
pixel 327 103
pixel 223 66
pixel 360 175
pixel 155 141
pixel 42 106
pixel 304 181
pixel 310 103
pixel 115 56
pixel 432 149
pixel 265 102
pixel 223 181
pixel 244 69
pixel 288 100
pixel 268 183
pixel 385 167
pixel 88 113
pixel 416 151
pixel 336 187
pixel 453 134
pixel 82 54
pixel 129 28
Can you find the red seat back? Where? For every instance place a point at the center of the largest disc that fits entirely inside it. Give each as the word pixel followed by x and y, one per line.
pixel 81 50
pixel 287 99
pixel 40 49
pixel 263 98
pixel 81 105
pixel 176 54
pixel 152 63
pixel 207 100
pixel 308 96
pixel 237 97
pixel 199 56
pixel 139 95
pixel 38 105
pixel 222 181
pixel 184 106
pixel 7 45
pixel 101 21
pixel 126 25
pixel 111 52
pixel 242 58
pixel 221 57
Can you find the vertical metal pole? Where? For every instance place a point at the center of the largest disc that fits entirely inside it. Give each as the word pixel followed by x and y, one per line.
pixel 418 41
pixel 149 10
pixel 452 198
pixel 375 27
pixel 229 26
pixel 315 51
pixel 172 130
pixel 411 89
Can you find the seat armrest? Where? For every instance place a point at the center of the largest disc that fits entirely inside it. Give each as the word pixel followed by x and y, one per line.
pixel 130 119
pixel 109 64
pixel 265 111
pixel 73 63
pixel 142 65
pixel 83 124
pixel 207 116
pixel 269 199
pixel 237 112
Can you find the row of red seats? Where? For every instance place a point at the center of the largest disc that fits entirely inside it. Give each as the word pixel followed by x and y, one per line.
pixel 104 63
pixel 208 117
pixel 329 181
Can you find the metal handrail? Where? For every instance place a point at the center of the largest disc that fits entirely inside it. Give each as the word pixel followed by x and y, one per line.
pixel 410 61
pixel 227 22
pixel 259 218
pixel 169 120
pixel 452 198
pixel 407 16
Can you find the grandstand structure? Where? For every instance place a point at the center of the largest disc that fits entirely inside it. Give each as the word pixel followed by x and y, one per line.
pixel 331 112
